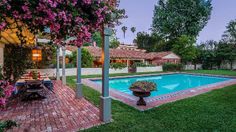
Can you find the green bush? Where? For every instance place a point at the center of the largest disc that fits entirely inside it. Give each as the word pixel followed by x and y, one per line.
pixel 5 125
pixel 86 60
pixel 172 67
pixel 16 60
pixel 141 64
pixel 117 66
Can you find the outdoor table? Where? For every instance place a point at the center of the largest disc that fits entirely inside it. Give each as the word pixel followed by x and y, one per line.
pixel 21 82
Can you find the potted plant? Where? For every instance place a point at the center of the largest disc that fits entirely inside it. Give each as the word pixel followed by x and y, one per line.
pixel 35 74
pixel 142 89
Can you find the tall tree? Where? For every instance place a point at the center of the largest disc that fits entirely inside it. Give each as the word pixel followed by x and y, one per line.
pixel 133 29
pixel 208 54
pixel 225 52
pixel 174 18
pixel 230 33
pixel 114 41
pixel 184 47
pixel 150 42
pixel 124 29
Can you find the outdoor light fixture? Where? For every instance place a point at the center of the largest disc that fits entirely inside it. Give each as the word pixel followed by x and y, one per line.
pixel 36 54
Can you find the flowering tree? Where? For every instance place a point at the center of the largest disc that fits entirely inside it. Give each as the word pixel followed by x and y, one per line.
pixel 69 21
pixel 5 92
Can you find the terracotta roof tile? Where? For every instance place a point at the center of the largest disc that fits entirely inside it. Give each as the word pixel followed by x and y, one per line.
pixel 127 54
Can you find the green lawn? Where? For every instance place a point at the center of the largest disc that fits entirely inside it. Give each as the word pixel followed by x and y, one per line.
pixel 215 72
pixel 213 111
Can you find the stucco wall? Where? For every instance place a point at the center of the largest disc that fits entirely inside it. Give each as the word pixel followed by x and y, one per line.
pixel 84 71
pixel 96 71
pixel 149 69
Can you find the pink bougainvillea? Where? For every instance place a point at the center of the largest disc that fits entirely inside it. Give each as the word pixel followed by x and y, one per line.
pixel 69 21
pixel 5 92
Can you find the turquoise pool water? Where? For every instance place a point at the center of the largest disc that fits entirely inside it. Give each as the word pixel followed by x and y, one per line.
pixel 165 83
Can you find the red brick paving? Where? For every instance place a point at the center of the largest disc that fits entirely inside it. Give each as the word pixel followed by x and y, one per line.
pixel 60 112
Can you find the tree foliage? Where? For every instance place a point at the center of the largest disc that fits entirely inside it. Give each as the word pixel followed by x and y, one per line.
pixel 16 61
pixel 184 47
pixel 230 33
pixel 124 29
pixel 133 29
pixel 174 18
pixel 70 22
pixel 86 59
pixel 151 43
pixel 212 54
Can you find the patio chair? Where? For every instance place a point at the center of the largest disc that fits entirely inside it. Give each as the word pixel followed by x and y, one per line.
pixel 33 88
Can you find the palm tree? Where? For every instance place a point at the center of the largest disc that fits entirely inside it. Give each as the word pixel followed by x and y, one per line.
pixel 124 29
pixel 133 30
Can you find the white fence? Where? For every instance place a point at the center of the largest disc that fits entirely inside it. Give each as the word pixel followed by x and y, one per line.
pixel 150 69
pixel 96 71
pixel 228 66
pixel 191 67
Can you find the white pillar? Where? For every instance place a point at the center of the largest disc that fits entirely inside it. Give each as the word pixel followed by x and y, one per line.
pixel 79 93
pixel 64 65
pixel 58 64
pixel 105 107
pixel 2 46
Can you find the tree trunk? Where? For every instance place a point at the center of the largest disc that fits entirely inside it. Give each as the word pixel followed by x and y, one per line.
pixel 231 65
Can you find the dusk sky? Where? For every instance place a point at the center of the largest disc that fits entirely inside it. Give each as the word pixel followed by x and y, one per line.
pixel 140 15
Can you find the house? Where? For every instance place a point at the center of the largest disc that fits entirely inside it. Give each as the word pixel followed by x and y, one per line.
pixel 130 56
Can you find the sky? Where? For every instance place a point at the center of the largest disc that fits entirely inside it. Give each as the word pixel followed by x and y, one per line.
pixel 140 13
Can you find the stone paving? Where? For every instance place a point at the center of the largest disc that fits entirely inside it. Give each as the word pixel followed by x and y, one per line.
pixel 59 112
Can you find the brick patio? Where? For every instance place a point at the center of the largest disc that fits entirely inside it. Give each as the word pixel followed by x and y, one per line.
pixel 59 112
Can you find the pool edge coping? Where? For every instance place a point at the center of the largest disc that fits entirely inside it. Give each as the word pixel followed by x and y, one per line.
pixel 162 99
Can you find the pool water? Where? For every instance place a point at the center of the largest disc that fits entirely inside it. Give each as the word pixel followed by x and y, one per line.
pixel 165 83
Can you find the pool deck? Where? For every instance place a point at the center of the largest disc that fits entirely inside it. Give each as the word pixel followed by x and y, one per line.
pixel 163 99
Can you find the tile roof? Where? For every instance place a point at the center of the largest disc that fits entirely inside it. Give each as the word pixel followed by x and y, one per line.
pixel 127 54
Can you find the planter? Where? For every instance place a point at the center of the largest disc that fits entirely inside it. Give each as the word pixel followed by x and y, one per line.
pixel 142 89
pixel 141 94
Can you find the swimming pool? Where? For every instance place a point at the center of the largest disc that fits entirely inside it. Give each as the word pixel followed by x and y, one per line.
pixel 166 84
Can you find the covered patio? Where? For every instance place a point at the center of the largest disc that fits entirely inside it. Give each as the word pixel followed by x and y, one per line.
pixel 60 111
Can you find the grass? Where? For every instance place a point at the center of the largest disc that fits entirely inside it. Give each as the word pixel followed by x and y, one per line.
pixel 213 111
pixel 119 74
pixel 215 72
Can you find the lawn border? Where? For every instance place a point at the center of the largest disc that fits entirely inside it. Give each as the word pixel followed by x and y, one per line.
pixel 163 99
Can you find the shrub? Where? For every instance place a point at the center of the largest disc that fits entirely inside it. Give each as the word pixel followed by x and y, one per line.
pixel 117 66
pixel 144 85
pixel 140 64
pixel 5 92
pixel 86 60
pixel 5 125
pixel 172 67
pixel 16 60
